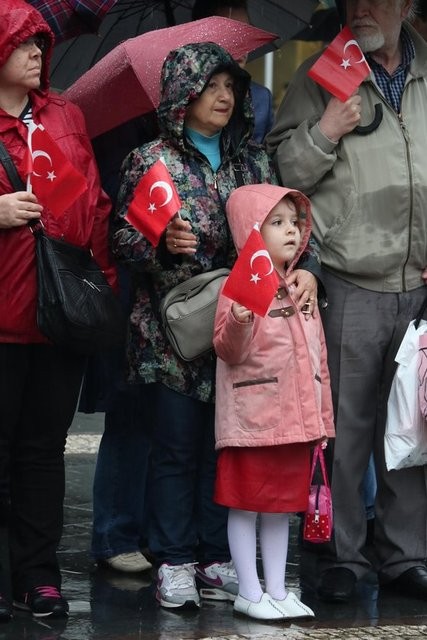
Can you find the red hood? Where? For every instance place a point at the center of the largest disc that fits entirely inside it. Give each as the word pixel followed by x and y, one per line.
pixel 18 22
pixel 251 204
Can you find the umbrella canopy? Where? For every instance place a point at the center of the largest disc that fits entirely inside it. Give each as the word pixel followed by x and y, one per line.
pixel 68 18
pixel 130 18
pixel 126 82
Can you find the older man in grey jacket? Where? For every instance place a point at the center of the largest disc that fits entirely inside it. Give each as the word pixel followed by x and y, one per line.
pixel 369 196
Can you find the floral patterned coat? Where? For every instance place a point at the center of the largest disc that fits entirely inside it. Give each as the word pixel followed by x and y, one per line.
pixel 203 193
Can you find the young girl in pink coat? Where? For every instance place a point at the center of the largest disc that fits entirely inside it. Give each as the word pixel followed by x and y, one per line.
pixel 273 403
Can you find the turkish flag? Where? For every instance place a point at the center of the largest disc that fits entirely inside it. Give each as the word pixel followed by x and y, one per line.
pixel 155 202
pixel 53 178
pixel 342 67
pixel 253 281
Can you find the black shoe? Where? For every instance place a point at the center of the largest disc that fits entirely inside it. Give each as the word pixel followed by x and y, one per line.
pixel 412 582
pixel 43 601
pixel 337 585
pixel 5 609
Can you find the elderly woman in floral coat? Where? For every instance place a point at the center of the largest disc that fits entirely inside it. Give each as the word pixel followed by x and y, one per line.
pixel 205 118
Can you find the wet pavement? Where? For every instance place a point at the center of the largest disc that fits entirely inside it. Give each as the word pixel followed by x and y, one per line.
pixel 108 605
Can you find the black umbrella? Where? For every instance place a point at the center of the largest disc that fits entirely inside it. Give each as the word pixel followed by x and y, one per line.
pixel 129 18
pixel 324 25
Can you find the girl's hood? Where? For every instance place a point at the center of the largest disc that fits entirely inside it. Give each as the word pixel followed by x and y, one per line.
pixel 251 204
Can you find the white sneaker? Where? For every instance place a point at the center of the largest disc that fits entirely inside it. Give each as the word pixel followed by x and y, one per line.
pixel 132 562
pixel 265 609
pixel 176 585
pixel 292 607
pixel 219 581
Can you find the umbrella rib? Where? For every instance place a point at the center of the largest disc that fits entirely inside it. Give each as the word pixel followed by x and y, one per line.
pixel 65 52
pixel 170 17
pixel 130 12
pixel 289 12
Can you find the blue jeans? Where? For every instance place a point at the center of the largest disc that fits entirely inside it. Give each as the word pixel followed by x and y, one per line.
pixel 185 524
pixel 119 505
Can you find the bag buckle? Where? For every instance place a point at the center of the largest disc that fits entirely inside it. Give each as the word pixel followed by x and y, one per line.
pixel 35 226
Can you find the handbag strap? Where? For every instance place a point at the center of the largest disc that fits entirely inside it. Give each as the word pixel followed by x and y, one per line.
pixel 318 455
pixel 238 173
pixel 9 166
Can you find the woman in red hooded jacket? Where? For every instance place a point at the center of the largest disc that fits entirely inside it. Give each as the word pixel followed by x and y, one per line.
pixel 39 383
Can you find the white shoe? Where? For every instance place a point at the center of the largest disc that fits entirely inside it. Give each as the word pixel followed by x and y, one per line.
pixel 265 609
pixel 132 562
pixel 294 608
pixel 176 585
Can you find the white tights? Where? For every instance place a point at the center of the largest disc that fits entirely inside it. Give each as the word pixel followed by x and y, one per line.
pixel 273 538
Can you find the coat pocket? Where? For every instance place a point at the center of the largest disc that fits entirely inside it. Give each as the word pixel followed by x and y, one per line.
pixel 257 403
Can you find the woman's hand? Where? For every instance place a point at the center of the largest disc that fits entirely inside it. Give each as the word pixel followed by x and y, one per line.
pixel 305 293
pixel 16 209
pixel 241 313
pixel 424 275
pixel 179 237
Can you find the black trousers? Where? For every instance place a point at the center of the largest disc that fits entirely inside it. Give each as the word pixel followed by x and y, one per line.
pixel 39 388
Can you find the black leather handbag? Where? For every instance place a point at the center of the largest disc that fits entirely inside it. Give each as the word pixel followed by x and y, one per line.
pixel 76 307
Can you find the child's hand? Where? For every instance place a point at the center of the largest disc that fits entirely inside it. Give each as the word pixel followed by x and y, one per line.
pixel 241 313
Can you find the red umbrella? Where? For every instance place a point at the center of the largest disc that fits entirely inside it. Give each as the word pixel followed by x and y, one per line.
pixel 68 18
pixel 126 82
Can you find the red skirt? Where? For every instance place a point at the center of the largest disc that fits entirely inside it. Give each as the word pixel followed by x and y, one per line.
pixel 272 479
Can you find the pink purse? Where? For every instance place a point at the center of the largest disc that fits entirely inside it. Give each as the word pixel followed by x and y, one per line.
pixel 422 375
pixel 318 518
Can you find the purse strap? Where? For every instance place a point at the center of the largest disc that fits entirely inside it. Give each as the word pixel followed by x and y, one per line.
pixel 9 166
pixel 238 173
pixel 318 455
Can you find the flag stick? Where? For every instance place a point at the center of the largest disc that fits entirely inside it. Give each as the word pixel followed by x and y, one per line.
pixel 31 129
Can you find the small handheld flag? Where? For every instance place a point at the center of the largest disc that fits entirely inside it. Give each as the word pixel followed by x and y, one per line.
pixel 155 202
pixel 342 67
pixel 49 173
pixel 253 281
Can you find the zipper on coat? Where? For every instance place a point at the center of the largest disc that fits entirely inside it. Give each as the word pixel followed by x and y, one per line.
pixel 405 135
pixel 411 194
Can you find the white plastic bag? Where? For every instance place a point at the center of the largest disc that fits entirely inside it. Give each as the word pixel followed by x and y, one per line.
pixel 405 439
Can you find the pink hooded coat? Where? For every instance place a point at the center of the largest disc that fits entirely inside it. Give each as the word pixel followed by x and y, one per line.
pixel 272 382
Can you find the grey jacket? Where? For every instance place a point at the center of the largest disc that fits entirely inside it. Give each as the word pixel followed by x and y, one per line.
pixel 368 193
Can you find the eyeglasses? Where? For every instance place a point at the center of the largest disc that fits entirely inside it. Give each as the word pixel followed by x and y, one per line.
pixel 34 41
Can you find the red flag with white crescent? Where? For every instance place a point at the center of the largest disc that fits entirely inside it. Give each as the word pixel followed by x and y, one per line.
pixel 155 202
pixel 253 281
pixel 342 67
pixel 51 176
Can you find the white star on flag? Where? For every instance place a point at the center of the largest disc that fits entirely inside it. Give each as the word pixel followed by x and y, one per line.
pixel 255 277
pixel 51 176
pixel 345 63
pixel 152 207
